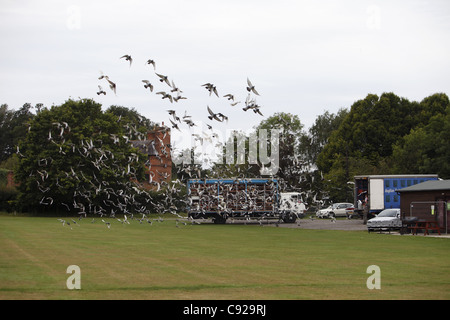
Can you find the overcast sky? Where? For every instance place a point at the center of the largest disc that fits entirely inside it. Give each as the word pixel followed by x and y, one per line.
pixel 304 57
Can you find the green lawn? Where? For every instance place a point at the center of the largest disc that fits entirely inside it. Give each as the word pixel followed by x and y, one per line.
pixel 162 261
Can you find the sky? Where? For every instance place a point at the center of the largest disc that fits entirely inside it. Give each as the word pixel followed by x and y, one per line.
pixel 304 57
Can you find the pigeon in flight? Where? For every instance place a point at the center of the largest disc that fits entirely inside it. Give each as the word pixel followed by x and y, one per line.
pixel 150 61
pixel 127 58
pixel 251 87
pixel 148 85
pixel 211 88
pixel 112 85
pixel 163 78
pixel 165 95
pixel 101 91
pixel 216 116
pixel 229 96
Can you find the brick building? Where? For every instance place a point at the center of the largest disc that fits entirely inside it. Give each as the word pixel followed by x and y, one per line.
pixel 157 147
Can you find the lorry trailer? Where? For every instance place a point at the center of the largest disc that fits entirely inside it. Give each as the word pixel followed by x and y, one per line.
pixel 220 199
pixel 380 191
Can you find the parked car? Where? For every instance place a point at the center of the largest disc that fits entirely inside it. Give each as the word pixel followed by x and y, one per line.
pixel 342 209
pixel 386 219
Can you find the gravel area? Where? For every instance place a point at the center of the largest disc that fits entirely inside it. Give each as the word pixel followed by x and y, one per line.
pixel 307 223
pixel 327 224
pixel 322 224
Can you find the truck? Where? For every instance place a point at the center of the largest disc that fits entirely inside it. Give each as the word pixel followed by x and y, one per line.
pixel 380 191
pixel 246 199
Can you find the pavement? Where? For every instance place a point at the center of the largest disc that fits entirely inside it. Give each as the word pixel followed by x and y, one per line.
pixel 328 224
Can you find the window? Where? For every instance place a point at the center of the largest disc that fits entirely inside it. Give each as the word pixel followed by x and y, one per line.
pixel 387 198
pixel 395 183
pixel 408 182
pixel 403 183
pixel 387 183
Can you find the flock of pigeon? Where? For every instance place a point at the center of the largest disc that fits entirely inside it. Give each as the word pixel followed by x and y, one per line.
pixel 173 94
pixel 94 195
pixel 180 221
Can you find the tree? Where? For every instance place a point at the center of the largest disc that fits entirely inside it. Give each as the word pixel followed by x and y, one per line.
pixel 77 158
pixel 320 132
pixel 135 124
pixel 293 163
pixel 13 127
pixel 425 149
pixel 365 140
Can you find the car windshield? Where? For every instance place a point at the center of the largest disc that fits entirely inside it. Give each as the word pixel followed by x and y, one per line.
pixel 388 213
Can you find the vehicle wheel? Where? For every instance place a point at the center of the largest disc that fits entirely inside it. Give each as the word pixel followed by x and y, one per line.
pixel 218 219
pixel 289 218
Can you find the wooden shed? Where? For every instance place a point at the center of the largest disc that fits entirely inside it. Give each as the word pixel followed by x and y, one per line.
pixel 427 200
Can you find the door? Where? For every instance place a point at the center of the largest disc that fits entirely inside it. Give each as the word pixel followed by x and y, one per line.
pixel 376 194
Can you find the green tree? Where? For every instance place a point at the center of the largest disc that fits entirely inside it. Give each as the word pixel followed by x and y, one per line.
pixel 320 132
pixel 365 139
pixel 136 126
pixel 13 127
pixel 293 162
pixel 77 158
pixel 425 149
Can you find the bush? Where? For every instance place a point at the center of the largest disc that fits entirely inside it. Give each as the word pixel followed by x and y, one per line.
pixel 8 198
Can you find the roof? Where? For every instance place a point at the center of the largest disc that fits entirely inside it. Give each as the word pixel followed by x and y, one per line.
pixel 393 176
pixel 430 185
pixel 232 181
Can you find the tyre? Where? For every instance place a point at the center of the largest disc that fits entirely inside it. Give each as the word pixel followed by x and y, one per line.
pixel 289 218
pixel 218 219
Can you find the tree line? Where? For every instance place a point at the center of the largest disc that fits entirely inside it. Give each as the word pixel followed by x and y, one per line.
pixel 384 134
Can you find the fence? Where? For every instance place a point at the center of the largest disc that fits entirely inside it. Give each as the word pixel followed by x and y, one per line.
pixel 438 210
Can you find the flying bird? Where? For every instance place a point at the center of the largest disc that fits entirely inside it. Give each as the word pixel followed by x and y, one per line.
pixel 148 85
pixel 224 117
pixel 251 87
pixel 256 110
pixel 165 96
pixel 178 97
pixel 216 116
pixel 112 85
pixel 150 61
pixel 101 91
pixel 175 88
pixel 127 58
pixel 163 78
pixel 211 88
pixel 174 125
pixel 102 76
pixel 229 96
pixel 212 115
pixel 189 122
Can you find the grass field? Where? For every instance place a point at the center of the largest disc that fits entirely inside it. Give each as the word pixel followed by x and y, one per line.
pixel 207 261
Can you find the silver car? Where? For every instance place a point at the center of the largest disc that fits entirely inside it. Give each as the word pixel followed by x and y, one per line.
pixel 386 219
pixel 341 209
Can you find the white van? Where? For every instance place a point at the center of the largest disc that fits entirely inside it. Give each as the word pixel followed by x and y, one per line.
pixel 293 201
